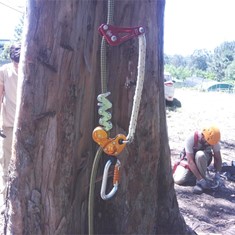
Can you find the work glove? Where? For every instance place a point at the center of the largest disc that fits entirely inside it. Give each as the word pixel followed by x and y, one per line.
pixel 200 186
pixel 202 183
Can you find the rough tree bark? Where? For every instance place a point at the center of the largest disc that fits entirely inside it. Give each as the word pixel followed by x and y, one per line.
pixel 57 112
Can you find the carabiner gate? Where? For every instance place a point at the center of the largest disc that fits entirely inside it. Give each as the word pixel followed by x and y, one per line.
pixel 103 195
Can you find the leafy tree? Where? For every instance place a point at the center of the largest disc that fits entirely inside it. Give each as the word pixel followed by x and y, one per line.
pixel 230 72
pixel 180 72
pixel 4 55
pixel 223 56
pixel 199 59
pixel 19 29
pixel 176 60
pixel 204 74
pixel 217 65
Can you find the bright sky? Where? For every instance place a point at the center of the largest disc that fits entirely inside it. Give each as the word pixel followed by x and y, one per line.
pixel 197 24
pixel 9 17
pixel 189 24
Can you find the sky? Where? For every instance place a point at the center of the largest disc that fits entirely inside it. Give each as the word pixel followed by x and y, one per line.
pixel 188 24
pixel 9 17
pixel 197 24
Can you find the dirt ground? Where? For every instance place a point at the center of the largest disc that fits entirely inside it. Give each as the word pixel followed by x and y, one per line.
pixel 212 212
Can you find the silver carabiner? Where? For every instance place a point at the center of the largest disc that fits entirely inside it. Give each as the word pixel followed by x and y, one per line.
pixel 103 195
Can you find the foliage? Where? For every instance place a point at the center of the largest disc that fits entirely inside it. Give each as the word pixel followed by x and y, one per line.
pixel 229 73
pixel 199 59
pixel 180 72
pixel 217 65
pixel 4 54
pixel 224 55
pixel 19 29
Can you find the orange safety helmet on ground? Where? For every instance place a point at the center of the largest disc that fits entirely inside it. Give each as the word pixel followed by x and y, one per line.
pixel 211 135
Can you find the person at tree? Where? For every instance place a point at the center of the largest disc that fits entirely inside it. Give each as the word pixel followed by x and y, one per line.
pixel 8 89
pixel 200 149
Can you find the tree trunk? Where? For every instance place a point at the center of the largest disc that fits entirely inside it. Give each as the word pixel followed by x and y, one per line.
pixel 54 151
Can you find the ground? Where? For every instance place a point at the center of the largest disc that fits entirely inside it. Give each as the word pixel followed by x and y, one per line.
pixel 212 212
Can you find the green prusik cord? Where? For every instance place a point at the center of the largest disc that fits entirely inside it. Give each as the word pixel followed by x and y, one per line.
pixel 103 52
pixel 103 58
pixel 103 67
pixel 110 11
pixel 92 190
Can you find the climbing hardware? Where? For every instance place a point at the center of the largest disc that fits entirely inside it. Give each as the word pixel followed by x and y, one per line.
pixel 116 177
pixel 114 146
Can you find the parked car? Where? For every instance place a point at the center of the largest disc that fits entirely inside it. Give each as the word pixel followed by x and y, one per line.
pixel 169 90
pixel 221 87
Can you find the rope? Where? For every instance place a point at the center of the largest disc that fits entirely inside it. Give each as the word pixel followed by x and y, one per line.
pixel 135 109
pixel 110 12
pixel 92 190
pixel 103 50
pixel 139 88
pixel 103 64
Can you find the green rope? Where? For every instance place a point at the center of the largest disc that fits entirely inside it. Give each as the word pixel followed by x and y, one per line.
pixel 103 50
pixel 92 190
pixel 110 12
pixel 103 64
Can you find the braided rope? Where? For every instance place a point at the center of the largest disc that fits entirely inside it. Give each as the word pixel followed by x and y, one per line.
pixel 139 88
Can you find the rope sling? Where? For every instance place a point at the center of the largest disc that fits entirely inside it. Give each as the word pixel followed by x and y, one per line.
pixel 113 146
pixel 103 69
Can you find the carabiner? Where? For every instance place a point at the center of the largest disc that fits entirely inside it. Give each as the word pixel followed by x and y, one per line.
pixel 105 178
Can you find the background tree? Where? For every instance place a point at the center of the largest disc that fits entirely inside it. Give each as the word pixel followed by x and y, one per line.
pixel 203 63
pixel 230 71
pixel 223 56
pixel 4 55
pixel 57 112
pixel 4 52
pixel 199 60
pixel 180 73
pixel 176 60
pixel 19 29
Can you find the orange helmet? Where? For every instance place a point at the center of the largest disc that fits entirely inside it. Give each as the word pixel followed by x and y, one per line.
pixel 211 135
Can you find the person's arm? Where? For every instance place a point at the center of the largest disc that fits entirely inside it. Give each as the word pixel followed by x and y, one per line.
pixel 1 95
pixel 1 99
pixel 1 86
pixel 193 166
pixel 217 161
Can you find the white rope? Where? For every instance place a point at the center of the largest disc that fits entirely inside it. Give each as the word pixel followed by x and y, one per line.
pixel 139 88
